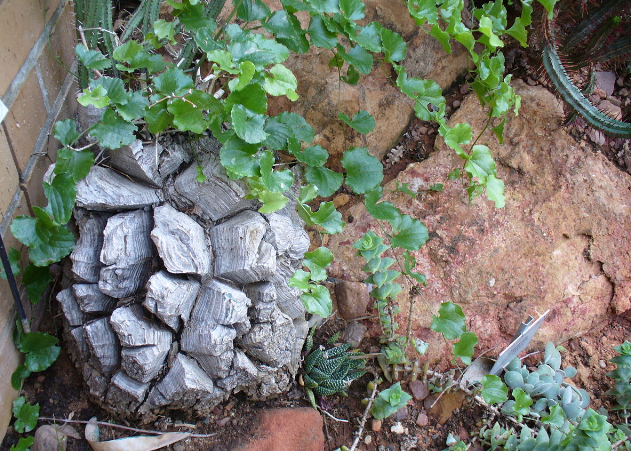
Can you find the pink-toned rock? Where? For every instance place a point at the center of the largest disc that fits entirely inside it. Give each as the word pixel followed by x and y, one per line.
pixel 419 390
pixel 353 299
pixel 288 429
pixel 561 243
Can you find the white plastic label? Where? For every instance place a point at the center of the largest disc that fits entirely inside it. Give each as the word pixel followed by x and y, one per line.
pixel 3 111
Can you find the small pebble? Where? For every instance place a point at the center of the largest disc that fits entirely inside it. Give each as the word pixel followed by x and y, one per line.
pixel 217 410
pixel 456 104
pixel 624 92
pixel 41 378
pixel 341 200
pixel 603 364
pixel 614 101
pixel 423 130
pixel 179 446
pixel 530 81
pixel 422 420
pixel 375 425
pixel 368 439
pixel 620 81
pixel 401 414
pixel 600 93
pixel 419 390
pixel 397 428
pixel 223 421
pixel 464 89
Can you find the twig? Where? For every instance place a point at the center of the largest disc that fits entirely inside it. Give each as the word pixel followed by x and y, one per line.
pixel 119 426
pixel 334 418
pixel 360 431
pixel 85 43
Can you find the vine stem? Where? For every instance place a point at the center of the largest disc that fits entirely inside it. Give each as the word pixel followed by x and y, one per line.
pixel 119 426
pixel 360 431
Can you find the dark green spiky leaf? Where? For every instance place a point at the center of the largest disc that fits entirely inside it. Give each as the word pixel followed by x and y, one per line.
pixel 113 131
pixel 251 10
pixel 47 245
pixel 96 97
pixel 358 57
pixel 318 301
pixel 194 111
pixel 442 37
pixel 369 37
pixel 134 108
pixel 394 47
pixel 362 121
pixel 41 359
pixel 495 191
pixel 465 346
pixel 66 132
pixel 237 156
pixel 24 444
pixel 328 218
pixel 481 164
pixel 249 125
pixel 252 97
pixel 409 233
pixel 494 391
pixel 320 35
pixel 281 82
pixel 450 321
pixel 92 59
pixel 352 9
pixel 363 171
pixel 26 415
pixel 300 280
pixel 61 194
pixel 275 181
pixel 317 261
pixel 173 81
pixel 314 156
pixel 382 210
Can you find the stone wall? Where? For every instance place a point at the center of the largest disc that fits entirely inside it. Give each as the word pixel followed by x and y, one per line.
pixel 36 61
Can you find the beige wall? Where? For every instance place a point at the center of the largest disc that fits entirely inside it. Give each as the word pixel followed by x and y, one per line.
pixel 36 57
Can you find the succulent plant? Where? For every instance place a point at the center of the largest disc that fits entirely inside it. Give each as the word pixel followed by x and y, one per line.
pixel 330 371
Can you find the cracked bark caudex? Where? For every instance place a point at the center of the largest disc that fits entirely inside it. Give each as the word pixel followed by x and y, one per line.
pixel 177 290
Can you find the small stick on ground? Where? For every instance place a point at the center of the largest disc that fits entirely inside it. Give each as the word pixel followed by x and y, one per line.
pixel 360 431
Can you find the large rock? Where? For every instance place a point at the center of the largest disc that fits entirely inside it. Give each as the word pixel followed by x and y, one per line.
pixel 561 243
pixel 323 96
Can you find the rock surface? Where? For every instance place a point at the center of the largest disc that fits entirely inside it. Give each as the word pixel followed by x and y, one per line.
pixel 561 243
pixel 323 96
pixel 287 430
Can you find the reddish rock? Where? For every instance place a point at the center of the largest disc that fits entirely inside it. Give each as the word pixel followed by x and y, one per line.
pixel 560 243
pixel 291 429
pixel 419 390
pixel 353 299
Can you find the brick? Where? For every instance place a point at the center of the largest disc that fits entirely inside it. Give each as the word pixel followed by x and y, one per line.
pixel 9 179
pixel 57 57
pixel 21 23
pixel 25 120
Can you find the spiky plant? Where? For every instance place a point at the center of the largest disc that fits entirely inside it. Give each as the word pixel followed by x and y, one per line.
pixel 601 37
pixel 330 371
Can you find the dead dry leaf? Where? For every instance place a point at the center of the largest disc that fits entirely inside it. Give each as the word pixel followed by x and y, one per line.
pixel 140 443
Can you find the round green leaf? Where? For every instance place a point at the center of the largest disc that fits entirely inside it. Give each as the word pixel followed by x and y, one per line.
pixel 363 171
pixel 450 321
